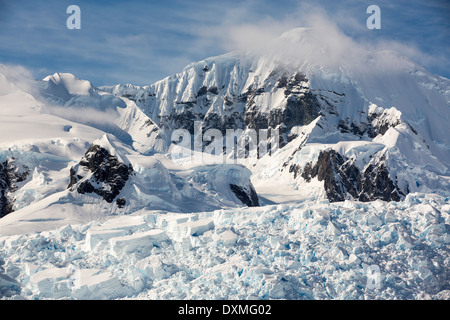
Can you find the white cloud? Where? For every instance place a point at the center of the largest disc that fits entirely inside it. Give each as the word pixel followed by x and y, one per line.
pixel 324 43
pixel 20 77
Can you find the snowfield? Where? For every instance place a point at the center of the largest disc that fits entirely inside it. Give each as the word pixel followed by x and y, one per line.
pixel 310 250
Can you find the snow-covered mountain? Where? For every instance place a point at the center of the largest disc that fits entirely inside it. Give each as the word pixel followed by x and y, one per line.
pixel 387 127
pixel 95 149
pixel 368 127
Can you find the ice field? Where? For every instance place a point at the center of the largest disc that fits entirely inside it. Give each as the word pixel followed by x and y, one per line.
pixel 311 250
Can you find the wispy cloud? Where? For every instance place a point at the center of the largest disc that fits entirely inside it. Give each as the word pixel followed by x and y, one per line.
pixel 338 35
pixel 20 77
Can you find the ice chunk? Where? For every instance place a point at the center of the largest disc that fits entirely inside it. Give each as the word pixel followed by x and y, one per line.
pixel 66 232
pixel 14 241
pixel 8 285
pixel 227 238
pixel 153 268
pixel 323 213
pixel 94 237
pixel 139 241
pixel 172 221
pixel 339 253
pixel 96 284
pixel 333 229
pixel 195 228
pixel 55 283
pixel 51 283
pixel 129 223
pixel 31 268
pixel 353 259
pixel 261 270
pixel 184 245
pixel 390 217
pixel 374 220
pixel 137 280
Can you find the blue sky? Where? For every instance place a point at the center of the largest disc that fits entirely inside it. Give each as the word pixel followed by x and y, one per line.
pixel 140 42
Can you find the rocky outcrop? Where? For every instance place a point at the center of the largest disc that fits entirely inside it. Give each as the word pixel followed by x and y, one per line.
pixel 247 195
pixel 343 180
pixel 378 121
pixel 101 173
pixel 10 176
pixel 301 106
pixel 376 184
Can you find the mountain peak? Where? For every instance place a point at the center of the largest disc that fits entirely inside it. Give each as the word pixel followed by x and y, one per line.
pixel 73 85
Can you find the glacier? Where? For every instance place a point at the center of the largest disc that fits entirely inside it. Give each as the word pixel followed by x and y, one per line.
pixel 310 250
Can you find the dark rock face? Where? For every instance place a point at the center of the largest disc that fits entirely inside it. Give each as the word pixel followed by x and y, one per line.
pixel 10 176
pixel 241 111
pixel 202 91
pixel 374 125
pixel 342 178
pixel 376 184
pixel 121 202
pixel 383 124
pixel 5 201
pixel 109 175
pixel 299 110
pixel 247 195
pixel 357 129
pixel 302 107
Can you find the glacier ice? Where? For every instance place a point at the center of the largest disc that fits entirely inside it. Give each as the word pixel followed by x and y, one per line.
pixel 309 250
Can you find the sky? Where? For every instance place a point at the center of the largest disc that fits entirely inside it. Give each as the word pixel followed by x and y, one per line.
pixel 140 42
